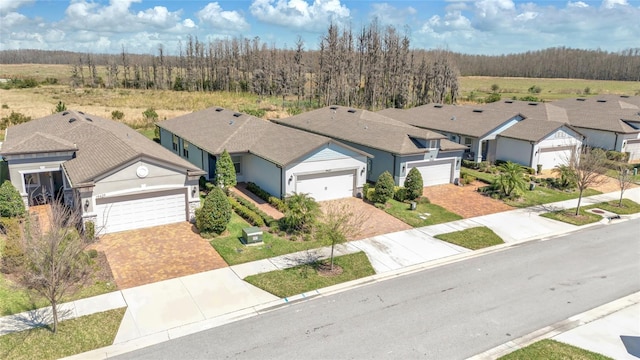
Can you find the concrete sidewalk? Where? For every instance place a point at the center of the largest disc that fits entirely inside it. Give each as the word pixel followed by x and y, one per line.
pixel 177 307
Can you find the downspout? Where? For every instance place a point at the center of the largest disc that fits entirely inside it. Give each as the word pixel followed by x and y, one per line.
pixel 282 180
pixel 615 144
pixel 531 161
pixel 394 168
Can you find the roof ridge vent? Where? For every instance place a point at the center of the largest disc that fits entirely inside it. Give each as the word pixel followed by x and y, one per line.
pixel 81 112
pixel 625 96
pixel 72 120
pixel 533 103
pixel 453 117
pixel 601 100
pixel 219 109
pixel 333 107
pixel 88 119
pixel 237 114
pixel 351 111
pixel 439 106
pixel 581 99
pixel 477 110
pixel 65 113
pixel 509 101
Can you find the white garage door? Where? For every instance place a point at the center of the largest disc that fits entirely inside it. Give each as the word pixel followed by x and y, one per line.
pixel 326 186
pixel 434 172
pixel 552 157
pixel 140 211
pixel 633 148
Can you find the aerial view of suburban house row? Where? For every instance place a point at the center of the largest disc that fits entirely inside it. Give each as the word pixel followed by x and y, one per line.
pixel 121 180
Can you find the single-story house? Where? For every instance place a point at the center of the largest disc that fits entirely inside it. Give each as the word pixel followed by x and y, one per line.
pixel 611 122
pixel 473 127
pixel 396 146
pixel 279 159
pixel 538 143
pixel 116 177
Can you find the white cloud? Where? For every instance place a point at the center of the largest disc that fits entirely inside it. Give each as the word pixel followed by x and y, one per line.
pixel 578 4
pixel 610 4
pixel 7 6
pixel 299 14
pixel 216 17
pixel 390 15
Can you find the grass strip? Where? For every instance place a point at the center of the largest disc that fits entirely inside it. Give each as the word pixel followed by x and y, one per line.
pixel 303 278
pixel 73 337
pixel 473 238
pixel 553 350
pixel 423 215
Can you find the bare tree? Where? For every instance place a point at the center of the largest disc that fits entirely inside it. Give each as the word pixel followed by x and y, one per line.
pixel 625 179
pixel 588 165
pixel 56 264
pixel 339 223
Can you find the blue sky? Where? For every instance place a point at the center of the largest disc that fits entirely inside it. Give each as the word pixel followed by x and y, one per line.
pixel 489 27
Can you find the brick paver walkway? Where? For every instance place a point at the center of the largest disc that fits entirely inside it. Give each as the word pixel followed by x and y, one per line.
pixel 241 190
pixel 144 256
pixel 464 200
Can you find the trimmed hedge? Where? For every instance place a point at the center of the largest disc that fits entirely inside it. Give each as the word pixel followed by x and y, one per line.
pixel 277 203
pixel 267 219
pixel 246 213
pixel 257 190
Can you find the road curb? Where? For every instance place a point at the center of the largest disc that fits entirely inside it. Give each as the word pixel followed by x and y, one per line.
pixel 560 327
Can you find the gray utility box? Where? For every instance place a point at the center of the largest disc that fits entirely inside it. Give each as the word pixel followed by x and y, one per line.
pixel 252 235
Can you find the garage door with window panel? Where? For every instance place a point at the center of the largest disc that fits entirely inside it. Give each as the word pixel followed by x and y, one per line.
pixel 554 156
pixel 433 172
pixel 326 185
pixel 140 210
pixel 633 148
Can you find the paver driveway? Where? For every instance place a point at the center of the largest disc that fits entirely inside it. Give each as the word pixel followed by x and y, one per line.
pixel 464 200
pixel 375 221
pixel 144 256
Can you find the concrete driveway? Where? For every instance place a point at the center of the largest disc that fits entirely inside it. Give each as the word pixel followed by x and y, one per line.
pixel 465 201
pixel 145 256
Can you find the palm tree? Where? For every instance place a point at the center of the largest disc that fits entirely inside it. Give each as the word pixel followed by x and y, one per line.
pixel 302 212
pixel 567 176
pixel 511 180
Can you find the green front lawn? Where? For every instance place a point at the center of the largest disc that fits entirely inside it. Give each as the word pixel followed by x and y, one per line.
pixel 73 337
pixel 553 350
pixel 628 207
pixel 303 278
pixel 539 195
pixel 423 215
pixel 233 251
pixel 473 238
pixel 569 216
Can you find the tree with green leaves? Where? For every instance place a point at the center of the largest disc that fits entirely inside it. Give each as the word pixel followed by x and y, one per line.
pixel 625 179
pixel 11 204
pixel 511 180
pixel 413 183
pixel 385 186
pixel 225 171
pixel 301 214
pixel 215 213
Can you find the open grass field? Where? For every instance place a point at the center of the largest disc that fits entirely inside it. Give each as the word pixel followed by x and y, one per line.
pixel 40 101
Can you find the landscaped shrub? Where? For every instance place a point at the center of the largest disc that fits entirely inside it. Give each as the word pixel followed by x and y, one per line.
pixel 384 188
pixel 92 253
pixel 225 171
pixel 277 203
pixel 215 213
pixel 90 230
pixel 370 195
pixel 245 213
pixel 257 190
pixel 302 213
pixel 468 179
pixel 400 194
pixel 13 253
pixel 413 183
pixel 11 204
pixel 268 220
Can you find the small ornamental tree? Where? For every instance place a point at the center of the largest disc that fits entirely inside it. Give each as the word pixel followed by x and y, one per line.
pixel 413 184
pixel 11 204
pixel 215 213
pixel 625 179
pixel 225 171
pixel 385 187
pixel 511 180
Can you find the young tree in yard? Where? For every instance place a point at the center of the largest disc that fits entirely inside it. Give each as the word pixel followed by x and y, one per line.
pixel 625 179
pixel 225 171
pixel 215 213
pixel 55 261
pixel 11 204
pixel 413 184
pixel 511 178
pixel 302 213
pixel 385 187
pixel 339 223
pixel 588 166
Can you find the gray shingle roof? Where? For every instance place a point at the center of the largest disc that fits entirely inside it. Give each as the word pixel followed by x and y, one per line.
pixel 216 129
pixel 362 127
pixel 533 130
pixel 102 145
pixel 473 121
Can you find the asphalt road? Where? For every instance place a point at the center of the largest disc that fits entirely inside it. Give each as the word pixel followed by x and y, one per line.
pixel 449 312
